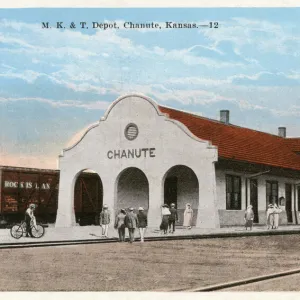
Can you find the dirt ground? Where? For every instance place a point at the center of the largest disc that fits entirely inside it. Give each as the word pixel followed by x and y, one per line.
pixel 283 284
pixel 149 266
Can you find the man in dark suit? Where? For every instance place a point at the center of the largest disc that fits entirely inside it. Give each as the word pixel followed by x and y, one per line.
pixel 131 222
pixel 173 218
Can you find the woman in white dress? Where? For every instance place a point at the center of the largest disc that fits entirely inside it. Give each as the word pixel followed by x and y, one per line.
pixel 277 211
pixel 188 216
pixel 270 216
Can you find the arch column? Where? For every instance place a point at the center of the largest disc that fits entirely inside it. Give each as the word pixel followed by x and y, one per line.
pixel 208 215
pixel 109 196
pixel 155 201
pixel 65 211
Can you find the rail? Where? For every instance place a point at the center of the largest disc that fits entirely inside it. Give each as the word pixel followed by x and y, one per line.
pixel 223 286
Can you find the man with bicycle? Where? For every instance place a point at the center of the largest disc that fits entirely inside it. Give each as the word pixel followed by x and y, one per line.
pixel 29 217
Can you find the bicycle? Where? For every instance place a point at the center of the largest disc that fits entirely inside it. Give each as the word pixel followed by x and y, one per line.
pixel 18 230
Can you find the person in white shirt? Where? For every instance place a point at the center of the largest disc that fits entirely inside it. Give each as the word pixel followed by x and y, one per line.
pixel 165 212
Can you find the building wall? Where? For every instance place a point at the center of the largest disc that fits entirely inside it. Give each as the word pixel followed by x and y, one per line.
pixel 173 145
pixel 235 217
pixel 133 191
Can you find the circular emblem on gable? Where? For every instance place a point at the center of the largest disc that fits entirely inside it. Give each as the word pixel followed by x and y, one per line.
pixel 131 132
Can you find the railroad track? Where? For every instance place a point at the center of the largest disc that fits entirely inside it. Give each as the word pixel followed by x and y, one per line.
pixel 242 282
pixel 36 244
pixel 19 245
pixel 147 239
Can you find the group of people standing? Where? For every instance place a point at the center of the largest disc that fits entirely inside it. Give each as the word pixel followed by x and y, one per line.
pixel 124 220
pixel 272 216
pixel 170 217
pixel 273 212
pixel 130 220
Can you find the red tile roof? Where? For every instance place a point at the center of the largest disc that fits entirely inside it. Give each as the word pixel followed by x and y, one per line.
pixel 293 144
pixel 240 143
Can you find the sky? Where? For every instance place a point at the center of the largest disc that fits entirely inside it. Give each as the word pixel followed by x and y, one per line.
pixel 56 82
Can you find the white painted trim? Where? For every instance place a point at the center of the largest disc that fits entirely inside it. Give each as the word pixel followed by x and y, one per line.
pixel 159 113
pixel 190 134
pixel 84 134
pixel 152 102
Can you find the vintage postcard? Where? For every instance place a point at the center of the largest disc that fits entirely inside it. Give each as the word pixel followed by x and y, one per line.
pixel 150 149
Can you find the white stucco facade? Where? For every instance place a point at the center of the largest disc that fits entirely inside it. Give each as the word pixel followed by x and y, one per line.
pixel 165 143
pixel 235 217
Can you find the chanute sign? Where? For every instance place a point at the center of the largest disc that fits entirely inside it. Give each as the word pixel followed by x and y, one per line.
pixel 131 153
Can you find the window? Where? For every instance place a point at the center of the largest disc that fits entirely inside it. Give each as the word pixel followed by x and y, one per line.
pixel 288 202
pixel 131 132
pixel 272 192
pixel 233 192
pixel 298 197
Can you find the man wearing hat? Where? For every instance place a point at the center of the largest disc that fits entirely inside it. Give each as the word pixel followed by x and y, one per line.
pixel 120 224
pixel 104 220
pixel 131 222
pixel 29 216
pixel 142 222
pixel 173 218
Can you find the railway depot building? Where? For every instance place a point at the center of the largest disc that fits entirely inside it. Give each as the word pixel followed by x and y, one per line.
pixel 143 154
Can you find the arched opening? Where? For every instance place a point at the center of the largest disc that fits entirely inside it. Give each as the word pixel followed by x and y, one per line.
pixel 88 198
pixel 181 186
pixel 132 189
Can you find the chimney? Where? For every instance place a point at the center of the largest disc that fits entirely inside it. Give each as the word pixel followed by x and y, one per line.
pixel 282 131
pixel 224 116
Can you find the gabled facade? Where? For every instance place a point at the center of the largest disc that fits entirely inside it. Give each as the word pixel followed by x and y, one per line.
pixel 147 155
pixel 143 158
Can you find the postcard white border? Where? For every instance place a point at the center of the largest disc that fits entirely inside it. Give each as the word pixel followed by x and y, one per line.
pixel 147 4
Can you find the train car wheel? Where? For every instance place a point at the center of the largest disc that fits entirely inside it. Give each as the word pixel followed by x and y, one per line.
pixel 37 231
pixel 16 231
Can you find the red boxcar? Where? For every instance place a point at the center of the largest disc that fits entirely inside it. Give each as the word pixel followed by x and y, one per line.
pixel 22 186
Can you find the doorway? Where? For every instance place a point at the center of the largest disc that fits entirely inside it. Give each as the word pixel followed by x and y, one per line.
pixel 88 198
pixel 288 202
pixel 170 190
pixel 253 198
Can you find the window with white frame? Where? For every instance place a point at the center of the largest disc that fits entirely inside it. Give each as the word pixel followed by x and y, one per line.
pixel 271 192
pixel 233 192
